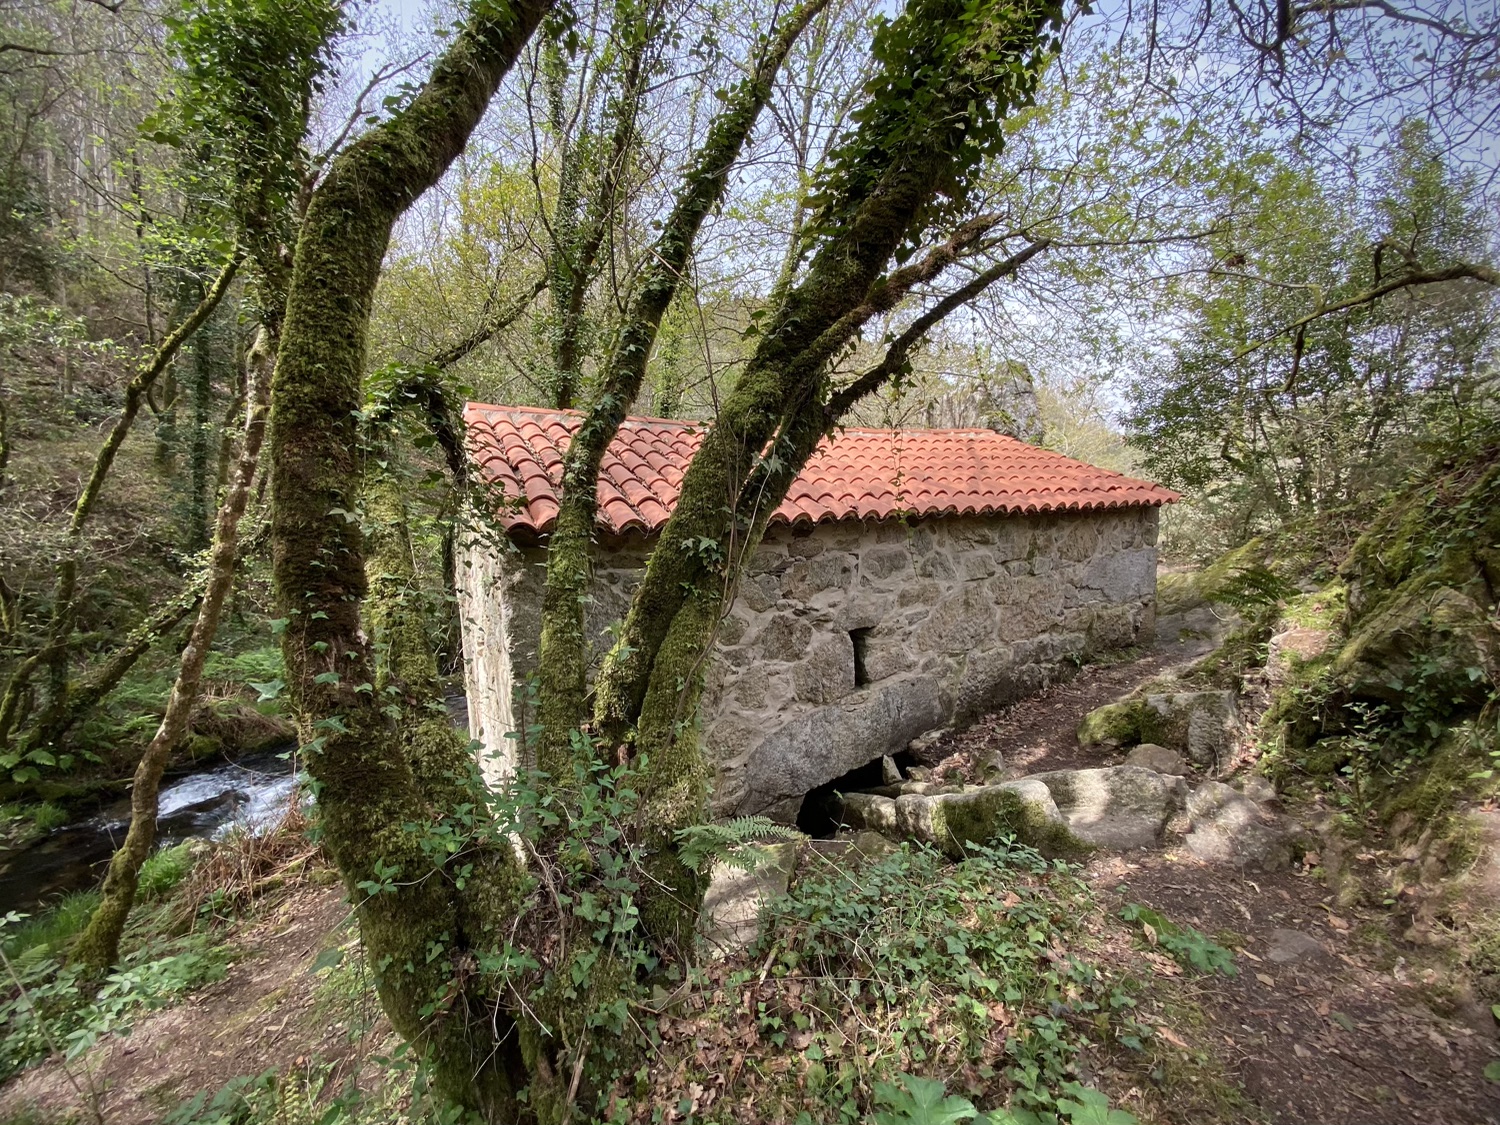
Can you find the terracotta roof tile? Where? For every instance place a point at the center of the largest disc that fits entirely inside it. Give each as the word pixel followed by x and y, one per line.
pixel 855 474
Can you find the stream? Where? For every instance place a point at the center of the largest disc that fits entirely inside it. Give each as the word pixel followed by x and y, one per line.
pixel 252 792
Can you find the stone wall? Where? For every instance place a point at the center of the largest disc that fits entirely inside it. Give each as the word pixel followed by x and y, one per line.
pixel 848 640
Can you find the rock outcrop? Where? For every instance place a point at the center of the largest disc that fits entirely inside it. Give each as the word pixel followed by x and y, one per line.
pixel 1228 827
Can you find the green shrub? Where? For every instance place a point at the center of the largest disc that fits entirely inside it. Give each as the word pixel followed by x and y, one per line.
pixel 44 1005
pixel 257 665
pixel 931 954
pixel 163 870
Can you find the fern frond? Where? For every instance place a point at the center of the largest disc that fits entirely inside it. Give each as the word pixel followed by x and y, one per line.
pixel 700 845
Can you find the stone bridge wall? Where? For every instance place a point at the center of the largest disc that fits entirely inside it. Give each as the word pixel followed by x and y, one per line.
pixel 848 640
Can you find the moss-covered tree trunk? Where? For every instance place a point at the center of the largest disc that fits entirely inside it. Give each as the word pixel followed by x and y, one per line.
pixel 564 648
pixel 416 927
pixel 99 946
pixel 648 691
pixel 402 808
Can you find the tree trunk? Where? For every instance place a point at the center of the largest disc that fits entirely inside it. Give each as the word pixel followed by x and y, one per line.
pixel 412 922
pixel 888 189
pixel 564 647
pixel 99 946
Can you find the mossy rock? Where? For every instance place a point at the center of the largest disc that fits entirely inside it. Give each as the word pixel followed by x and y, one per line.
pixel 1440 532
pixel 1325 608
pixel 1436 642
pixel 1181 591
pixel 202 747
pixel 1428 791
pixel 1307 705
pixel 1114 724
pixel 955 822
pixel 962 820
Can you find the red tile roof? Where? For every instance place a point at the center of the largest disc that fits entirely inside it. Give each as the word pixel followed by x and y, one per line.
pixel 855 474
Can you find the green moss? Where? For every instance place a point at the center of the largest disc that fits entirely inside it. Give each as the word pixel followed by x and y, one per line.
pixel 996 811
pixel 1119 723
pixel 1436 642
pixel 201 747
pixel 1321 609
pixel 1306 706
pixel 1225 667
pixel 1445 778
pixel 1180 591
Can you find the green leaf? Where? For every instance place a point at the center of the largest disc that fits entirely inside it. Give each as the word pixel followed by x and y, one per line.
pixel 328 959
pixel 268 690
pixel 1492 1071
pixel 922 1101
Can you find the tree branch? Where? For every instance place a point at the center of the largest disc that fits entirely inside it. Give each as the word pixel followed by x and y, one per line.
pixel 1459 271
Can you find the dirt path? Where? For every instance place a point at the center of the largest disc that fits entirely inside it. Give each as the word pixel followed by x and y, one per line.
pixel 1327 1021
pixel 1037 734
pixel 265 1014
pixel 1330 1019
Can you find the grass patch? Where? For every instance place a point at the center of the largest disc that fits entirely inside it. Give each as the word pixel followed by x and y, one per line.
pixel 53 929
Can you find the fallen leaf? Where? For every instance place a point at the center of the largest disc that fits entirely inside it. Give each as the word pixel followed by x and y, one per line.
pixel 1337 923
pixel 1342 1020
pixel 1172 1037
pixel 1268 981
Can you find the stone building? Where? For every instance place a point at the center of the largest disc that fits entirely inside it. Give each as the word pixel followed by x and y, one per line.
pixel 911 580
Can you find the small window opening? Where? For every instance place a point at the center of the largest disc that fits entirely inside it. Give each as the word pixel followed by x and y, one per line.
pixel 861 641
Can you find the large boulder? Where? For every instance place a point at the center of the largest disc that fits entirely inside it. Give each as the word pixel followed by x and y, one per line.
pixel 1202 724
pixel 1294 646
pixel 1228 827
pixel 1116 807
pixel 772 774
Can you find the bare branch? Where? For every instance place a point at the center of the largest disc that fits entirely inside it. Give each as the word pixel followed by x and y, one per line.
pixel 1459 271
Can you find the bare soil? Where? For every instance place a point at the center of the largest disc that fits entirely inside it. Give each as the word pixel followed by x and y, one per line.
pixel 263 1015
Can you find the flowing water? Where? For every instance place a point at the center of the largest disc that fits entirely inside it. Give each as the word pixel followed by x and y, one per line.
pixel 251 793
